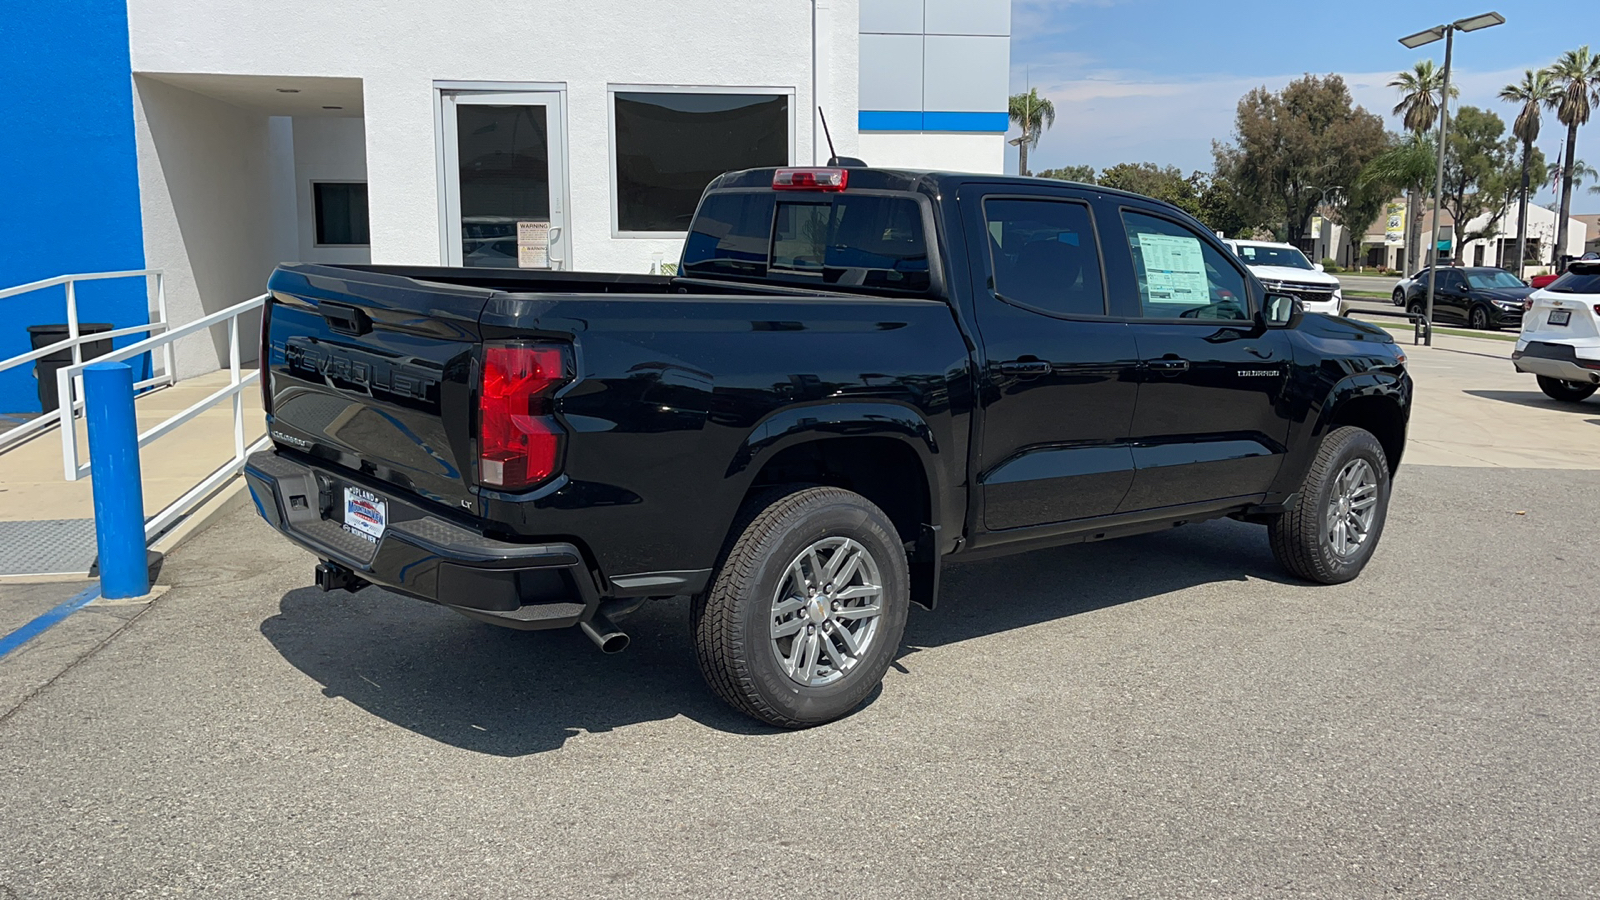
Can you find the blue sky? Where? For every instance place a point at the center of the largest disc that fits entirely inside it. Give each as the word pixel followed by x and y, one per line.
pixel 1157 80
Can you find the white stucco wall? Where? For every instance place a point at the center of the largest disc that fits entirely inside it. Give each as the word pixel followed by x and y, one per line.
pixel 325 149
pixel 400 49
pixel 205 193
pixel 943 152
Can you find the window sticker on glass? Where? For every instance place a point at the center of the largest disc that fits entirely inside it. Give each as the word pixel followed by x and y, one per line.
pixel 1175 269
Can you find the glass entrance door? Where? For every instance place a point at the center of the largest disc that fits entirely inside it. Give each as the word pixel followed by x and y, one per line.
pixel 504 180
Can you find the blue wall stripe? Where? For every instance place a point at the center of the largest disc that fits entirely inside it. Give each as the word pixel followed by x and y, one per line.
pixel 38 626
pixel 911 120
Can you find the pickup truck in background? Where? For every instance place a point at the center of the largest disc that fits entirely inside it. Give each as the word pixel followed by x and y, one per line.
pixel 855 375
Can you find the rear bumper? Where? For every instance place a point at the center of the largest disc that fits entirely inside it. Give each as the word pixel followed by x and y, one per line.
pixel 1559 361
pixel 527 586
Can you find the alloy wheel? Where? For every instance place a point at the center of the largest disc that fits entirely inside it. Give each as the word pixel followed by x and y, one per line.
pixel 1352 507
pixel 826 610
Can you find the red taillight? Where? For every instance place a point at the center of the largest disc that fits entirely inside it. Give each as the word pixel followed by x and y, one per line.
pixel 265 362
pixel 519 440
pixel 1597 309
pixel 1527 303
pixel 810 179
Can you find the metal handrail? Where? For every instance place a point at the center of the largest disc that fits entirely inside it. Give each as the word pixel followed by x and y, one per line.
pixel 237 383
pixel 75 339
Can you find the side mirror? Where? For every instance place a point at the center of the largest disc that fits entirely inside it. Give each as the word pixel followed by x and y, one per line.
pixel 1317 266
pixel 1280 309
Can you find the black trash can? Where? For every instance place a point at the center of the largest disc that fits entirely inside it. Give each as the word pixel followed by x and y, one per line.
pixel 46 367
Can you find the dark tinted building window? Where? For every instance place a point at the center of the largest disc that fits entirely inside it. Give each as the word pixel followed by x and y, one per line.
pixel 670 146
pixel 341 213
pixel 1045 256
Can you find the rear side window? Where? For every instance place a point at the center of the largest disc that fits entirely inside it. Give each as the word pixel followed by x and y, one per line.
pixel 1044 255
pixel 1181 276
pixel 838 240
pixel 1574 281
pixel 729 235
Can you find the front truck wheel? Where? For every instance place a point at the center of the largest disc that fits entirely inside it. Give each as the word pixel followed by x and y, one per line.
pixel 1331 533
pixel 806 612
pixel 1570 391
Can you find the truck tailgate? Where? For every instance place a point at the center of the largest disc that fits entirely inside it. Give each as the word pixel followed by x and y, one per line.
pixel 374 372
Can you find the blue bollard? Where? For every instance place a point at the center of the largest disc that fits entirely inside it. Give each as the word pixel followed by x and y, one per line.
pixel 118 490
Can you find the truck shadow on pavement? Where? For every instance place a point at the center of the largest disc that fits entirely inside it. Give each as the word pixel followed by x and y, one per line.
pixel 1537 400
pixel 508 693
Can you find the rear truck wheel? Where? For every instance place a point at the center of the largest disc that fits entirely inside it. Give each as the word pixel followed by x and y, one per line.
pixel 1478 319
pixel 1570 391
pixel 1399 297
pixel 806 612
pixel 1331 533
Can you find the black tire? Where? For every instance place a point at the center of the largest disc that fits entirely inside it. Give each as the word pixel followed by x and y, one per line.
pixel 1569 391
pixel 1300 538
pixel 1399 297
pixel 1478 319
pixel 1416 308
pixel 733 621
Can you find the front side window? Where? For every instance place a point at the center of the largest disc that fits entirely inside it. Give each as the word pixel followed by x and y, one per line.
pixel 1044 255
pixel 670 146
pixel 1181 276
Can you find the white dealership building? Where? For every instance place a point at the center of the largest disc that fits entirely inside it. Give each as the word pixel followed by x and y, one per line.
pixel 235 134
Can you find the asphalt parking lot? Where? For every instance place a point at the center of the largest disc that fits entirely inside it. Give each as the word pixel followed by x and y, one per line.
pixel 1159 716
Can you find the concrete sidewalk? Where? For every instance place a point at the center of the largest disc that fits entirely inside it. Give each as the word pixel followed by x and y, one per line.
pixel 47 523
pixel 1473 409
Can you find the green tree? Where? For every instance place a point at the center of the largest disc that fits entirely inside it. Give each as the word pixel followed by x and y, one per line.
pixel 1034 115
pixel 1356 209
pixel 1161 182
pixel 1421 92
pixel 1576 77
pixel 1477 172
pixel 1080 174
pixel 1223 209
pixel 1300 148
pixel 1407 166
pixel 1533 92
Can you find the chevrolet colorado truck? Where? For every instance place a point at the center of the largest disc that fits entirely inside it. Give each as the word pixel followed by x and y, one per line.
pixel 854 376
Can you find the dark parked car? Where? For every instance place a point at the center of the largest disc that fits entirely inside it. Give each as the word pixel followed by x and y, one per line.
pixel 1480 297
pixel 855 375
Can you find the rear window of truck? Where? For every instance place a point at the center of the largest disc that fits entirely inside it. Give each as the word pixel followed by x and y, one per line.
pixel 831 240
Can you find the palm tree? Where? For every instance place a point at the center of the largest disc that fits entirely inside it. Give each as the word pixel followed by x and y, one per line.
pixel 1033 114
pixel 1576 78
pixel 1533 92
pixel 1421 92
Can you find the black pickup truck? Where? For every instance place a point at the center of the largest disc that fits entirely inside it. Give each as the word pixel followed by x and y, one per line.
pixel 854 375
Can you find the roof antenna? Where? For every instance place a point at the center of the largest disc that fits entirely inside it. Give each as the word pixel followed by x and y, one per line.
pixel 833 158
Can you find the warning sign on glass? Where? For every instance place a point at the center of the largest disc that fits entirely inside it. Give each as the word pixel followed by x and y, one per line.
pixel 533 245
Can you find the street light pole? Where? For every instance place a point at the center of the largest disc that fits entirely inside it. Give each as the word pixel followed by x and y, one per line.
pixel 1438 180
pixel 1421 38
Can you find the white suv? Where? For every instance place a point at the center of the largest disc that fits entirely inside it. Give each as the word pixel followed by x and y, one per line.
pixel 1283 269
pixel 1560 340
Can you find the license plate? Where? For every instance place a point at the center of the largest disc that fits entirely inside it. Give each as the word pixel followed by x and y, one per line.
pixel 1559 316
pixel 365 513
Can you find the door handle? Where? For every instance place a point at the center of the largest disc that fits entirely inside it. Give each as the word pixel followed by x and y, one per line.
pixel 555 235
pixel 1259 353
pixel 1169 366
pixel 1025 368
pixel 346 319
